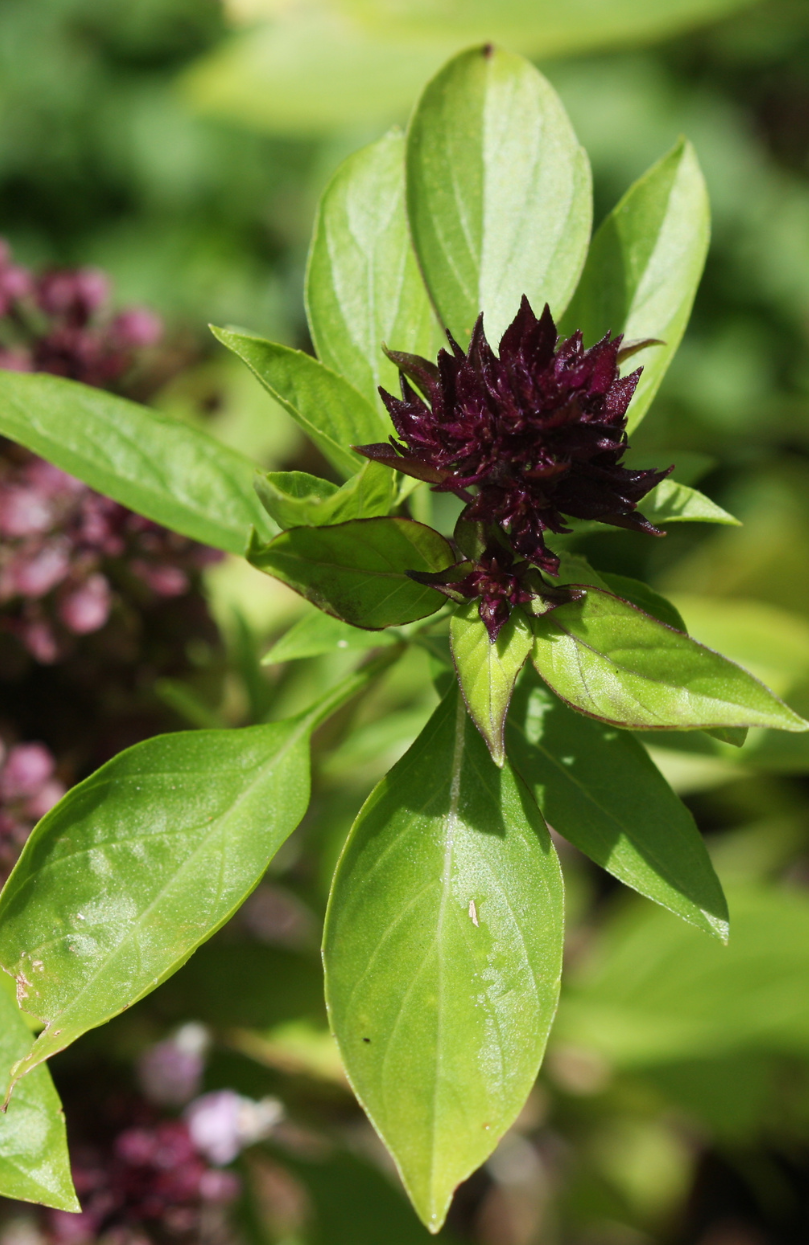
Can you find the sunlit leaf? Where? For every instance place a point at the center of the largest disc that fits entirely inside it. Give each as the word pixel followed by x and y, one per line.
pixel 163 469
pixel 443 951
pixel 487 672
pixel 357 571
pixel 363 286
pixel 326 406
pixel 144 860
pixel 614 662
pixel 597 786
pixel 644 267
pixel 498 192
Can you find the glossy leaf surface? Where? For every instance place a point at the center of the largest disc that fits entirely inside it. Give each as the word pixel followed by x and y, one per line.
pixel 330 411
pixel 34 1163
pixel 357 571
pixel 443 953
pixel 297 499
pixel 363 285
pixel 144 860
pixel 598 788
pixel 487 672
pixel 671 502
pixel 644 266
pixel 159 467
pixel 498 192
pixel 614 662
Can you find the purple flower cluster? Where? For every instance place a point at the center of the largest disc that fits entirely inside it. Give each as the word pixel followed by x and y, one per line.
pixel 153 1177
pixel 29 788
pixel 538 431
pixel 64 547
pixel 59 321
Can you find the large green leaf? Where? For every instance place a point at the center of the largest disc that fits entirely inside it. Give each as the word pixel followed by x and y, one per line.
pixel 540 27
pixel 644 267
pixel 498 192
pixel 144 860
pixel 443 949
pixel 330 410
pixel 363 286
pixel 357 571
pixel 487 672
pixel 34 1163
pixel 614 662
pixel 597 786
pixel 161 468
pixel 297 499
pixel 313 70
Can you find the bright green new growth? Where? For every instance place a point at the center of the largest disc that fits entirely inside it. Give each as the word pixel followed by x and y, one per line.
pixel 444 931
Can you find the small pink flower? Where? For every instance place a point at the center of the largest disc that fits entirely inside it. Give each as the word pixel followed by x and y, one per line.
pixel 86 608
pixel 37 573
pixel 26 768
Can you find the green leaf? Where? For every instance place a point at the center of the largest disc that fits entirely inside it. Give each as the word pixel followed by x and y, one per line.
pixel 646 599
pixel 498 192
pixel 330 411
pixel 363 286
pixel 318 633
pixel 644 267
pixel 297 499
pixel 34 1163
pixel 540 27
pixel 671 502
pixel 598 788
pixel 144 860
pixel 442 948
pixel 657 991
pixel 487 672
pixel 161 468
pixel 357 571
pixel 612 661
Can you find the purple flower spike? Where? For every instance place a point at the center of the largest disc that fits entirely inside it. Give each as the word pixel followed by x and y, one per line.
pixel 538 432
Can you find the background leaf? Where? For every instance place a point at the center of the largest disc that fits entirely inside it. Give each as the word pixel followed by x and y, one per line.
pixel 443 952
pixel 363 285
pixel 614 662
pixel 598 788
pixel 329 410
pixel 672 502
pixel 644 266
pixel 144 860
pixel 296 499
pixel 357 571
pixel 498 192
pixel 34 1163
pixel 659 991
pixel 317 633
pixel 163 469
pixel 487 672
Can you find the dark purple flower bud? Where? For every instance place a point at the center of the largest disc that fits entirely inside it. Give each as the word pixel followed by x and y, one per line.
pixel 527 437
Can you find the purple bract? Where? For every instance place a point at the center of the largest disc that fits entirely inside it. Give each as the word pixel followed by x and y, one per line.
pixel 538 432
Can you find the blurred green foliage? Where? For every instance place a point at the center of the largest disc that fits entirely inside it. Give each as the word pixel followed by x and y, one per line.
pixel 675 1101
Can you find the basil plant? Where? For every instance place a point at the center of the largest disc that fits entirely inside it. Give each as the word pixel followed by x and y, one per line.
pixel 472 342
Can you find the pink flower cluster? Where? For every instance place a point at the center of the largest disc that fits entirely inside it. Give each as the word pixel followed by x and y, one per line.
pixel 152 1176
pixel 59 321
pixel 29 788
pixel 63 547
